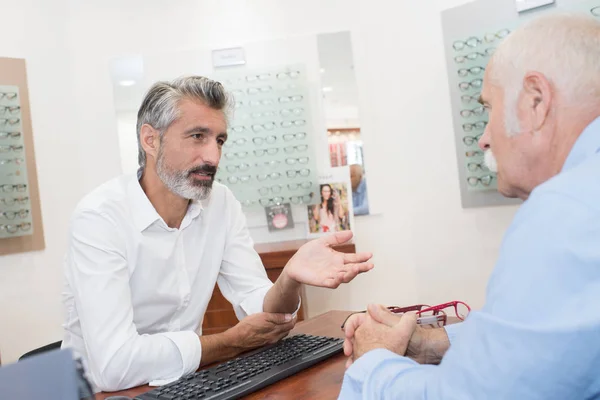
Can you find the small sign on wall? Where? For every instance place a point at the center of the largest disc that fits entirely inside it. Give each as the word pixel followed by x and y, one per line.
pixel 228 57
pixel 524 5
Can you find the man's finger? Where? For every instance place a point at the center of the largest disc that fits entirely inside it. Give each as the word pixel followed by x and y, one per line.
pixel 353 323
pixel 354 269
pixel 336 238
pixel 382 315
pixel 404 330
pixel 278 318
pixel 357 257
pixel 347 347
pixel 288 326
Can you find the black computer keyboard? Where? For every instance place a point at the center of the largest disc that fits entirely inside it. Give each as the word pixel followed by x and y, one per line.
pixel 246 374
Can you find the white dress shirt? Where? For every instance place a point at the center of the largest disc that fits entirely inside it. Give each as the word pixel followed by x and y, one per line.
pixel 136 290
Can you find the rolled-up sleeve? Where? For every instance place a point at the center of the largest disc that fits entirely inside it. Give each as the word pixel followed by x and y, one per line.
pixel 118 357
pixel 452 331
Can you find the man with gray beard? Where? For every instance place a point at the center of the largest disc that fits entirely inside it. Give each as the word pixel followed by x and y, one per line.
pixel 145 252
pixel 538 334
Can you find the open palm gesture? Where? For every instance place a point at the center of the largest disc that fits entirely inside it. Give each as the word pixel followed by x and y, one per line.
pixel 317 264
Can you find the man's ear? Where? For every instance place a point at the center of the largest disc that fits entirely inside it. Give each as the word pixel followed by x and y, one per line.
pixel 538 95
pixel 150 140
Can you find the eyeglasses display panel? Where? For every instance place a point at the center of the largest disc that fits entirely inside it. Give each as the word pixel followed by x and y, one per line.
pixel 15 206
pixel 269 158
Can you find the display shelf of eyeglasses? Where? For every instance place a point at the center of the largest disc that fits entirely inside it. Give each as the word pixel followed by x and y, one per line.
pixel 15 218
pixel 269 149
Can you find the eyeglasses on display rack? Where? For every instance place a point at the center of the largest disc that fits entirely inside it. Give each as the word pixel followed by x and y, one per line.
pixel 262 140
pixel 463 72
pixel 477 111
pixel 235 142
pixel 595 11
pixel 9 110
pixel 259 90
pixel 301 172
pixel 9 121
pixel 466 98
pixel 238 129
pixel 270 151
pixel 269 164
pixel 265 190
pixel 471 140
pixel 492 37
pixel 485 180
pixel 288 75
pixel 288 112
pixel 272 176
pixel 474 55
pixel 468 127
pixel 470 42
pixel 6 149
pixel 474 84
pixel 299 148
pixel 291 136
pixel 263 114
pixel 267 126
pixel 270 202
pixel 7 188
pixel 300 160
pixel 239 179
pixel 301 199
pixel 14 214
pixel 474 166
pixel 474 153
pixel 301 185
pixel 289 124
pixel 261 102
pixel 291 99
pixel 8 95
pixel 11 201
pixel 261 77
pixel 247 203
pixel 17 161
pixel 239 154
pixel 10 135
pixel 25 226
pixel 430 315
pixel 238 167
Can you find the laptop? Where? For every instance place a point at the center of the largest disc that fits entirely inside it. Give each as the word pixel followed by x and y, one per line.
pixel 49 376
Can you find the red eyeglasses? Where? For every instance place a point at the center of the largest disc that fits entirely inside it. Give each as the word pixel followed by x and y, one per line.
pixel 430 315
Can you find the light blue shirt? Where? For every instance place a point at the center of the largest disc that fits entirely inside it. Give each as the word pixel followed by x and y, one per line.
pixel 360 202
pixel 538 335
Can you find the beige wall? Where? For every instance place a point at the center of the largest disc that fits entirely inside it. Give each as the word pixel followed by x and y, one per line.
pixel 427 249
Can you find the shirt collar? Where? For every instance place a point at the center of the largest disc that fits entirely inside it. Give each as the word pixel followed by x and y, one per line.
pixel 586 145
pixel 144 213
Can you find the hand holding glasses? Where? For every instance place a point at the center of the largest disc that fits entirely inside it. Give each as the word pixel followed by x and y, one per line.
pixel 436 316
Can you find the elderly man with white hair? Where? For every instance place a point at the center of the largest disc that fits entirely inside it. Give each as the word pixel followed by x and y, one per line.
pixel 538 335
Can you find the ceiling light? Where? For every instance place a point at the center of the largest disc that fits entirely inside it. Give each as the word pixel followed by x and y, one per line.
pixel 327 89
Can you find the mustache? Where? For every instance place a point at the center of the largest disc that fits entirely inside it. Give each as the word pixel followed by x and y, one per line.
pixel 203 169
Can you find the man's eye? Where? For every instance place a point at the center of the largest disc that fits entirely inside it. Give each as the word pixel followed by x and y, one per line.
pixel 197 136
pixel 221 142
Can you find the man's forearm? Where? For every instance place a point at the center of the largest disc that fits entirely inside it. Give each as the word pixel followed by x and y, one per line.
pixel 436 345
pixel 217 347
pixel 283 297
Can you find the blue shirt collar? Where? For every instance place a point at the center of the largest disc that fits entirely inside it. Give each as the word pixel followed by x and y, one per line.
pixel 586 145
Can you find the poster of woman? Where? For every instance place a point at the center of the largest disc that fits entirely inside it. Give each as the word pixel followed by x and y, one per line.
pixel 333 212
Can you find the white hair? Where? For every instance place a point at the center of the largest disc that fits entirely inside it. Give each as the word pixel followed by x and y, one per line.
pixel 564 48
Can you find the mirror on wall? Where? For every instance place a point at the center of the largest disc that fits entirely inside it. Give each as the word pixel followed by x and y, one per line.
pixel 340 103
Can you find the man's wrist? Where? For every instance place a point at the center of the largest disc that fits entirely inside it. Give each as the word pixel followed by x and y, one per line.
pixel 435 345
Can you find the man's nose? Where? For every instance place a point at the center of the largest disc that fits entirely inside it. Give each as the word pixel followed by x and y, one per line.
pixel 484 140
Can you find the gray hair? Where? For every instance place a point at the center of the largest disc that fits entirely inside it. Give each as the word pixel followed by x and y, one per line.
pixel 563 47
pixel 160 107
